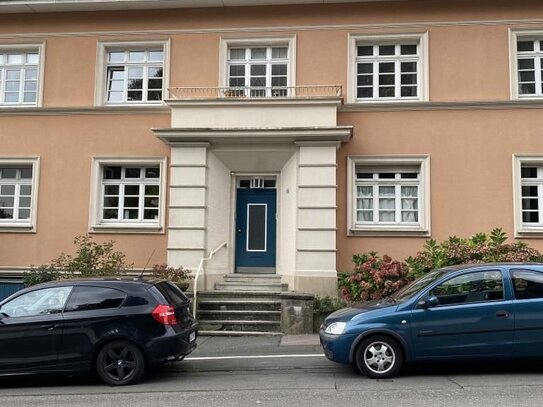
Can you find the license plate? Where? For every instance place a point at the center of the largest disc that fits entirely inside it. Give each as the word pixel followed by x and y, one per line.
pixel 192 337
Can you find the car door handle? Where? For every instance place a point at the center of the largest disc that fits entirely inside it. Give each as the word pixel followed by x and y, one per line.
pixel 49 327
pixel 502 314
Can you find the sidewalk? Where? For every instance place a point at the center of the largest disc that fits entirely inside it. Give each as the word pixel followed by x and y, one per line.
pixel 209 346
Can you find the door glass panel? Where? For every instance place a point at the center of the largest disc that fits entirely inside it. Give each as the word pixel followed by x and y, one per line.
pixel 39 302
pixel 471 287
pixel 528 284
pixel 256 227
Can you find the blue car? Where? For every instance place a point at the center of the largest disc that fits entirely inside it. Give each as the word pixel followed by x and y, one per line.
pixel 454 313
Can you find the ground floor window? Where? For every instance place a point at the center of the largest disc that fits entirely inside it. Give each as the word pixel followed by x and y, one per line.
pixel 389 194
pixel 529 194
pixel 18 184
pixel 128 193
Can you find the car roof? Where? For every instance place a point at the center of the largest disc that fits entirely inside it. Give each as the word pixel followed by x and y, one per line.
pixel 460 267
pixel 102 281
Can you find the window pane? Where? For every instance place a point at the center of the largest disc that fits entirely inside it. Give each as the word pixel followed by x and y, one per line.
pixel 111 202
pixel 523 46
pixel 472 287
pixel 132 189
pixel 6 213
pixel 24 214
pixel 130 214
pixel 116 56
pixel 258 53
pixel 24 202
pixel 32 59
pixel 131 172
pixel 9 173
pixel 408 49
pixel 365 50
pixel 386 49
pixel 7 201
pixel 112 172
pixel 364 93
pixel 111 213
pixel 527 284
pixel 530 204
pixel 155 72
pixel 529 190
pixel 136 56
pixel 94 298
pixel 156 55
pixel 279 53
pixel 154 95
pixel 258 70
pixel 150 214
pixel 7 189
pixel 526 63
pixel 151 202
pixel 237 53
pixel 386 67
pixel 530 217
pixel 15 59
pixel 153 172
pixel 528 172
pixel 256 227
pixel 25 189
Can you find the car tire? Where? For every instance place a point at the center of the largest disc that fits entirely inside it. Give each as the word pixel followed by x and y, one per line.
pixel 379 357
pixel 120 363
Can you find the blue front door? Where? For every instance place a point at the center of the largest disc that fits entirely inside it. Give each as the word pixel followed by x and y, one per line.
pixel 255 230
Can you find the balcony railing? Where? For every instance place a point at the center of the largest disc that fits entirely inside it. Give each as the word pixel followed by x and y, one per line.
pixel 253 92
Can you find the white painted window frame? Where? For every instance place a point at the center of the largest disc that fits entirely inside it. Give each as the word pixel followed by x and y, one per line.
pixel 40 48
pixel 96 223
pixel 7 225
pixel 522 230
pixel 389 39
pixel 227 43
pixel 100 94
pixel 387 163
pixel 514 36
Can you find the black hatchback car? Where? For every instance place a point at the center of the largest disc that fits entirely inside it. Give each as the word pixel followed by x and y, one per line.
pixel 115 327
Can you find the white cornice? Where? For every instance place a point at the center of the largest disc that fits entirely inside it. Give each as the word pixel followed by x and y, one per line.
pixel 46 6
pixel 255 135
pixel 83 111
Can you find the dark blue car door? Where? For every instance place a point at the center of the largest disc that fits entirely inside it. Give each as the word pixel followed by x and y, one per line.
pixel 474 317
pixel 528 305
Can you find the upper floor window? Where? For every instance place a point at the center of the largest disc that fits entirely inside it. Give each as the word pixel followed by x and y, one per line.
pixel 19 72
pixel 258 67
pixel 389 194
pixel 529 67
pixel 128 193
pixel 135 76
pixel 18 184
pixel 389 68
pixel 528 180
pixel 132 73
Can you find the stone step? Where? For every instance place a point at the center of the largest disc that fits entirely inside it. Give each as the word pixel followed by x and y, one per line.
pixel 239 325
pixel 237 315
pixel 250 287
pixel 238 305
pixel 245 278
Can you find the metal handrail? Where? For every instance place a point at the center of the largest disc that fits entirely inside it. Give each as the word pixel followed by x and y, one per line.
pixel 200 268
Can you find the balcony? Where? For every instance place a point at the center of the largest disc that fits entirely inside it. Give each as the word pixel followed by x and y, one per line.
pixel 245 92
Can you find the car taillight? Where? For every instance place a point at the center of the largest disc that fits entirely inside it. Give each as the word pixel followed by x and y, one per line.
pixel 165 314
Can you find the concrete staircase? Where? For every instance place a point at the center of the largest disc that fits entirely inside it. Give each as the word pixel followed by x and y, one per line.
pixel 243 304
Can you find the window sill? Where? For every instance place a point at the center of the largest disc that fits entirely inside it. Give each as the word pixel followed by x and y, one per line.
pixel 17 228
pixel 396 232
pixel 132 229
pixel 535 232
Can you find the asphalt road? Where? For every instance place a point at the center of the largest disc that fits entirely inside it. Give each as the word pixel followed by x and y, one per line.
pixel 269 371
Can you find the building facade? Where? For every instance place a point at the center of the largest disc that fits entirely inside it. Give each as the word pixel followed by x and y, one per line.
pixel 297 133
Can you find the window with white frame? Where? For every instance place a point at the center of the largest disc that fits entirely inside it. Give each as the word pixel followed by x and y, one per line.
pixel 529 66
pixel 127 193
pixel 531 179
pixel 19 71
pixel 18 184
pixel 390 194
pixel 134 75
pixel 258 71
pixel 389 68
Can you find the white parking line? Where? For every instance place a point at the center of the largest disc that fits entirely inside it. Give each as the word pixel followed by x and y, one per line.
pixel 255 357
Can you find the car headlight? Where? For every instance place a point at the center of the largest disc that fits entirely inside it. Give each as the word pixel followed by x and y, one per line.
pixel 336 328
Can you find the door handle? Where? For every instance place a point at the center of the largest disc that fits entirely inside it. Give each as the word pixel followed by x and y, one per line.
pixel 49 327
pixel 239 230
pixel 502 314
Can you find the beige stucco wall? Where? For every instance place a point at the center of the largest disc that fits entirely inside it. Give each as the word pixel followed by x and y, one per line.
pixel 66 145
pixel 470 149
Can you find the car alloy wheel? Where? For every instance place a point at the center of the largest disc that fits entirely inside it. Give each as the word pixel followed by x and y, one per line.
pixel 379 357
pixel 120 363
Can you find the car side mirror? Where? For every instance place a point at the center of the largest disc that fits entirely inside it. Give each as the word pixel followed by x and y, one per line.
pixel 428 302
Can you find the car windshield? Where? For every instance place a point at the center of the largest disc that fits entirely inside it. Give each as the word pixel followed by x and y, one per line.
pixel 417 285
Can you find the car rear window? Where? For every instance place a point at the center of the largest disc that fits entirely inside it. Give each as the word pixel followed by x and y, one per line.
pixel 93 298
pixel 173 295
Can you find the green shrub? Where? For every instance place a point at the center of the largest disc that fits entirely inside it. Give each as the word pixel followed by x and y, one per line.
pixel 327 305
pixel 479 248
pixel 91 259
pixel 373 277
pixel 174 274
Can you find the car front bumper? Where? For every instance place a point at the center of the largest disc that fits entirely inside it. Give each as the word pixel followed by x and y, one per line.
pixel 337 348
